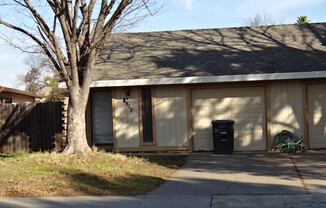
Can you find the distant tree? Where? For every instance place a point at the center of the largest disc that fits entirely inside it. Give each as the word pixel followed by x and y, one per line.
pixel 30 80
pixel 302 20
pixel 34 80
pixel 260 20
pixel 56 94
pixel 38 65
pixel 40 61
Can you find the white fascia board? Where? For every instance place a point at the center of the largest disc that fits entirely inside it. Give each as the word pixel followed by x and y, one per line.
pixel 208 79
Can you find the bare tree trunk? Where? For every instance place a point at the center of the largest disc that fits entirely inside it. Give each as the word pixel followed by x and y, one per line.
pixel 76 134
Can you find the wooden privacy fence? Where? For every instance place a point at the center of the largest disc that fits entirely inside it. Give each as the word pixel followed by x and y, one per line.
pixel 31 127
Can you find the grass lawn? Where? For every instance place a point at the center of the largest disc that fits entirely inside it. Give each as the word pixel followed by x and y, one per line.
pixel 53 174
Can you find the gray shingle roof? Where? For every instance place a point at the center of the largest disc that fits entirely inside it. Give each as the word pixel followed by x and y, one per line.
pixel 214 52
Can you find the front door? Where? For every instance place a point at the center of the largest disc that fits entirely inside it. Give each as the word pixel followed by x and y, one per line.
pixel 102 122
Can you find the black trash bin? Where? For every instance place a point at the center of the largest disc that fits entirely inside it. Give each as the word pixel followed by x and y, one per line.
pixel 223 136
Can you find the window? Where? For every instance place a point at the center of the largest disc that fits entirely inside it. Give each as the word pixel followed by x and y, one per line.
pixel 147 115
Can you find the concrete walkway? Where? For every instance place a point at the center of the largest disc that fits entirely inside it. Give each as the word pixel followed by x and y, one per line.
pixel 208 180
pixel 204 201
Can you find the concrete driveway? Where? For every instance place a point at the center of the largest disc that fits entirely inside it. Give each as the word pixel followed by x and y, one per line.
pixel 312 166
pixel 259 179
pixel 256 179
pixel 239 173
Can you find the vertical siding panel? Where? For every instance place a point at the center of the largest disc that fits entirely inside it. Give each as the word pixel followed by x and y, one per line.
pixel 286 107
pixel 316 111
pixel 178 115
pixel 162 117
pixel 119 119
pixel 131 119
pixel 127 123
pixel 272 110
pixel 165 118
pixel 184 119
pixel 165 123
pixel 125 127
pixel 296 112
pixel 280 115
pixel 292 102
pixel 276 100
pixel 299 103
pixel 130 142
pixel 173 115
pixel 167 112
pixel 124 122
pixel 134 115
pixel 159 117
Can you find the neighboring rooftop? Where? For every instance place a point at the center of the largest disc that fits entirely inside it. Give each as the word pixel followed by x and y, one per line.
pixel 16 91
pixel 214 52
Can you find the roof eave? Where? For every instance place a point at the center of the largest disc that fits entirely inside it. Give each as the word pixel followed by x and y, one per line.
pixel 20 92
pixel 208 79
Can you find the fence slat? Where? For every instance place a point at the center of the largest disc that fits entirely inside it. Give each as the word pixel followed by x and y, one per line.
pixel 30 127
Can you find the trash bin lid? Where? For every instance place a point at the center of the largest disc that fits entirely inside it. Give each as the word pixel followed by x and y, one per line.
pixel 223 122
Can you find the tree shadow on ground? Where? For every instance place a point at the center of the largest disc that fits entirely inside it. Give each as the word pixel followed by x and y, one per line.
pixel 94 184
pixel 170 161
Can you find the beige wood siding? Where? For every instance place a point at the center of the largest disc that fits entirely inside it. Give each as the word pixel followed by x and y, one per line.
pixel 171 116
pixel 317 115
pixel 21 99
pixel 286 107
pixel 246 106
pixel 127 123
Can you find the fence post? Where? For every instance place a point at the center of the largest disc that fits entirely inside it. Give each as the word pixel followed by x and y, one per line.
pixel 64 118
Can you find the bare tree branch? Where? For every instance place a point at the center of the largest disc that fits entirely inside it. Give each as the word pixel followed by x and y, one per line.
pixel 42 45
pixel 72 40
pixel 147 7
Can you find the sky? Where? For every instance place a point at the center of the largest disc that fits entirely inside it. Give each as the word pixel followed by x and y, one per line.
pixel 190 14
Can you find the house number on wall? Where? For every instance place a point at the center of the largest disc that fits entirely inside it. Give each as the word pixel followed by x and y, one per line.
pixel 125 99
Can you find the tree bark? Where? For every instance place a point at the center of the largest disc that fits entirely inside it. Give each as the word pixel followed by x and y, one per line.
pixel 76 125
